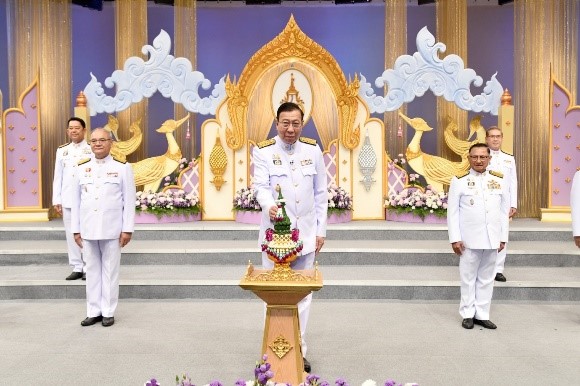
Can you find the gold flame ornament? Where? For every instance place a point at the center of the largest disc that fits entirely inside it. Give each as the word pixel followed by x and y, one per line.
pixel 218 161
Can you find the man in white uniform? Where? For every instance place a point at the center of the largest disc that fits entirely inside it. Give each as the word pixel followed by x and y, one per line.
pixel 575 205
pixel 296 164
pixel 103 218
pixel 67 158
pixel 504 163
pixel 477 220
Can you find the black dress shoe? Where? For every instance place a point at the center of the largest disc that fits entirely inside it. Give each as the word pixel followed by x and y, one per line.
pixel 89 321
pixel 467 323
pixel 307 367
pixel 485 324
pixel 84 276
pixel 500 277
pixel 108 322
pixel 75 276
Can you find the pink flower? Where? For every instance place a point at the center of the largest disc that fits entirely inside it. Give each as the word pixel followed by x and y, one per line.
pixel 295 234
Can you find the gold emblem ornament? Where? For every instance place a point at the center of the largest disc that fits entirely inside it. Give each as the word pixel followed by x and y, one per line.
pixel 280 346
pixel 218 161
pixel 493 185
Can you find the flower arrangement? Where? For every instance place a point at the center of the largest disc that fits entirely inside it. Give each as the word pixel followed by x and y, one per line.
pixel 339 200
pixel 263 375
pixel 245 200
pixel 173 178
pixel 418 202
pixel 168 203
pixel 414 178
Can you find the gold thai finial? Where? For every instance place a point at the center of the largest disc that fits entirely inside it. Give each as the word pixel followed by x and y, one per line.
pixel 293 95
pixel 506 98
pixel 81 100
pixel 218 161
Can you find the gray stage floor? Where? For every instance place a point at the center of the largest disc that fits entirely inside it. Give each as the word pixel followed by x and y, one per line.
pixel 43 343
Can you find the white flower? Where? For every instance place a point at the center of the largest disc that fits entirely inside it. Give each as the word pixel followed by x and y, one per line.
pixel 369 382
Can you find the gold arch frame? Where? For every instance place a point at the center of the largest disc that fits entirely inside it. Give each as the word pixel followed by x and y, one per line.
pixel 291 45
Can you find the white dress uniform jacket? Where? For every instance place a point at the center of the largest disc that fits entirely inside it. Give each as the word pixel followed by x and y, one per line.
pixel 506 164
pixel 302 178
pixel 105 197
pixel 575 204
pixel 477 210
pixel 65 170
pixel 103 208
pixel 301 174
pixel 67 158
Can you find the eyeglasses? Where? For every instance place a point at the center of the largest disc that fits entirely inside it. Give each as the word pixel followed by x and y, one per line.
pixel 481 157
pixel 494 136
pixel 102 141
pixel 287 124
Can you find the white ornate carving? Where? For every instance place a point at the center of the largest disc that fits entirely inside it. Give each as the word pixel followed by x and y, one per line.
pixel 413 75
pixel 367 162
pixel 172 77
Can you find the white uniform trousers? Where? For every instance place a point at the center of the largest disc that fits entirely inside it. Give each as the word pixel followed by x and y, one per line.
pixel 500 263
pixel 103 259
pixel 75 259
pixel 477 273
pixel 303 262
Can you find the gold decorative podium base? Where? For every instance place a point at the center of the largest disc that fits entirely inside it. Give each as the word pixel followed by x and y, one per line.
pixel 282 288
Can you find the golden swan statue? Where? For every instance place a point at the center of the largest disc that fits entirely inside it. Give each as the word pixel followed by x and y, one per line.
pixel 121 149
pixel 438 171
pixel 150 171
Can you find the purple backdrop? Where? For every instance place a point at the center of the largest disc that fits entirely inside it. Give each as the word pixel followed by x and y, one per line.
pixel 227 37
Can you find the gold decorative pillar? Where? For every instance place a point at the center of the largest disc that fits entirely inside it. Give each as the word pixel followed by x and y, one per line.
pixel 130 36
pixel 39 36
pixel 545 32
pixel 505 121
pixel 565 53
pixel 451 30
pixel 395 46
pixel 185 45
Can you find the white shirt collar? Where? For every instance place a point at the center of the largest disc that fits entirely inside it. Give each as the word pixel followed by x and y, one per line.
pixel 287 147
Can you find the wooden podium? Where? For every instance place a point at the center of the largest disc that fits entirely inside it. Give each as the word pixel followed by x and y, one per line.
pixel 282 288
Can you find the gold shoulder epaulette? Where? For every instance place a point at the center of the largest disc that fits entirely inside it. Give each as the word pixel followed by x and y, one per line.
pixel 497 174
pixel 64 144
pixel 308 141
pixel 505 152
pixel 84 161
pixel 118 160
pixel 463 175
pixel 266 143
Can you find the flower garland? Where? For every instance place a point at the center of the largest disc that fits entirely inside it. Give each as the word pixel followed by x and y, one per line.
pixel 167 203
